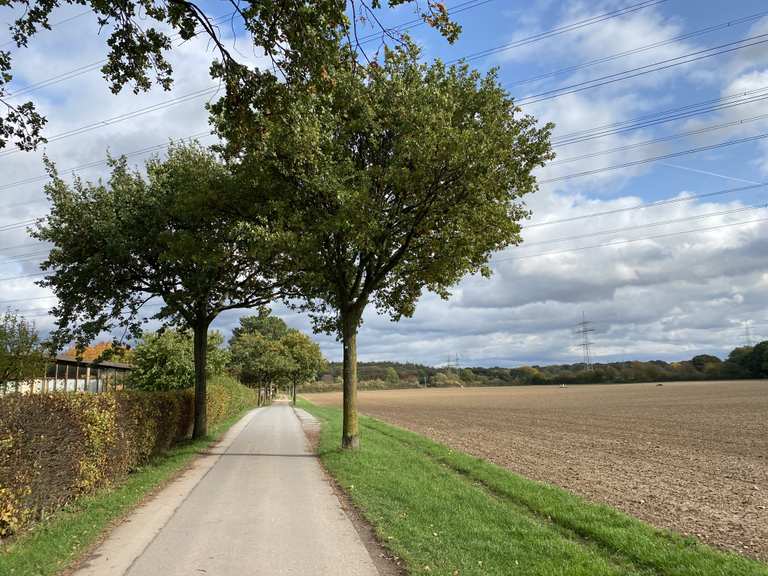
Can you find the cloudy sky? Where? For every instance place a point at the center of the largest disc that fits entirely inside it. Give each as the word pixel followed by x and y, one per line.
pixel 651 223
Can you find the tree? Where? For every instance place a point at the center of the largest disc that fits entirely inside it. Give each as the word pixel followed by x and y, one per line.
pixel 166 360
pixel 703 362
pixel 21 354
pixel 307 359
pixel 756 362
pixel 260 360
pixel 396 177
pixel 299 37
pixel 266 351
pixel 391 377
pixel 168 236
pixel 264 323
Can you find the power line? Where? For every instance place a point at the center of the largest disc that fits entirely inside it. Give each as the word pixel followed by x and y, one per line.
pixel 619 55
pixel 159 106
pixel 97 163
pixel 80 70
pixel 558 31
pixel 648 225
pixel 655 158
pixel 16 246
pixel 593 20
pixel 655 204
pixel 9 278
pixel 125 116
pixel 3 303
pixel 199 93
pixel 604 245
pixel 596 134
pixel 630 241
pixel 642 70
pixel 59 23
pixel 416 22
pixel 17 225
pixel 26 257
pixel 696 108
pixel 703 130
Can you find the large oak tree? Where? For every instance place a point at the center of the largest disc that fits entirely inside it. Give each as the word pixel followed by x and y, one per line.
pixel 170 236
pixel 393 178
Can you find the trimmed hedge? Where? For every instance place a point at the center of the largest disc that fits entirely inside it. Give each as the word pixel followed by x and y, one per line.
pixel 56 447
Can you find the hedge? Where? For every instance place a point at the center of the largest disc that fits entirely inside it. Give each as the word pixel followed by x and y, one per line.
pixel 56 447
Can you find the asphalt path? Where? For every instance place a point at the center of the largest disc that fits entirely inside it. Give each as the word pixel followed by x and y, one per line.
pixel 257 504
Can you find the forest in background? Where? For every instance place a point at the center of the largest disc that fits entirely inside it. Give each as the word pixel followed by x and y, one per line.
pixel 742 362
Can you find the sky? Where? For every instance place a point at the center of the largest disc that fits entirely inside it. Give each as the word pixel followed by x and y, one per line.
pixel 651 223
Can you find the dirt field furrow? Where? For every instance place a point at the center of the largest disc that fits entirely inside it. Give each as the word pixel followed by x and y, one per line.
pixel 689 456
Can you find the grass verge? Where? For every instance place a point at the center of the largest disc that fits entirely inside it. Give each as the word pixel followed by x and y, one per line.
pixel 56 542
pixel 448 513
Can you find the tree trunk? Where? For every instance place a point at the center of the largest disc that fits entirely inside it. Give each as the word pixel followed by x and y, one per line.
pixel 294 393
pixel 350 439
pixel 201 358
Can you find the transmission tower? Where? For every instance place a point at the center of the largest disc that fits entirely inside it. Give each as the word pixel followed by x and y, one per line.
pixel 747 335
pixel 584 328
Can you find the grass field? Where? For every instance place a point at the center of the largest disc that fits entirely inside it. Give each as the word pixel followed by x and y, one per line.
pixel 53 544
pixel 447 513
pixel 692 457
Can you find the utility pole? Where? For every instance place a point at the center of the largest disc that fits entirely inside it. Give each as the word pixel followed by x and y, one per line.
pixel 584 328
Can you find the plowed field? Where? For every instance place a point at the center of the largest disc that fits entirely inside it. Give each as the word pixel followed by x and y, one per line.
pixel 689 456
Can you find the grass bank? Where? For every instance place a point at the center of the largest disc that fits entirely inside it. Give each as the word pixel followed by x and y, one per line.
pixel 56 542
pixel 448 513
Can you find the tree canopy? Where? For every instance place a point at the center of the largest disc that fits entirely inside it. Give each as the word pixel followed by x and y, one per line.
pixel 265 351
pixel 396 177
pixel 168 237
pixel 300 38
pixel 264 323
pixel 166 360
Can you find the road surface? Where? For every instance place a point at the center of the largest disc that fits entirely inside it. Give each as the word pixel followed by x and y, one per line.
pixel 258 504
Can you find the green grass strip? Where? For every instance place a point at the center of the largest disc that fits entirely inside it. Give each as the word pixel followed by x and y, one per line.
pixel 56 542
pixel 491 521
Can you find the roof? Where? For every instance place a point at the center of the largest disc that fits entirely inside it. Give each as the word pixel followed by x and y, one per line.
pixel 63 359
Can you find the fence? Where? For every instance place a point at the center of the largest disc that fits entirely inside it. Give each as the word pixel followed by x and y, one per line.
pixel 68 374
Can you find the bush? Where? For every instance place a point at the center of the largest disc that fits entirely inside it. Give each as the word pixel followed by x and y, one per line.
pixel 165 360
pixel 56 447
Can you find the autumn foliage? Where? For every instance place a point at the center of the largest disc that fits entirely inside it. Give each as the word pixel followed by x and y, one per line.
pixel 101 351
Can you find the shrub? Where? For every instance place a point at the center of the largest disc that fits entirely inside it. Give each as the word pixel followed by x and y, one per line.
pixel 56 447
pixel 165 360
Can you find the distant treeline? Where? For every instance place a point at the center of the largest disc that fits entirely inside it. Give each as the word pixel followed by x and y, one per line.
pixel 744 362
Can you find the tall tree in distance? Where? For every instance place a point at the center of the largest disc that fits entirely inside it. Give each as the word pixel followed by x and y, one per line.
pixel 394 178
pixel 307 359
pixel 263 323
pixel 168 237
pixel 265 351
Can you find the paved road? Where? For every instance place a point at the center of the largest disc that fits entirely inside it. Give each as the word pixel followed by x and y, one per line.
pixel 259 506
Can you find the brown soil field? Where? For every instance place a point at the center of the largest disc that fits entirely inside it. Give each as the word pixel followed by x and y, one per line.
pixel 688 456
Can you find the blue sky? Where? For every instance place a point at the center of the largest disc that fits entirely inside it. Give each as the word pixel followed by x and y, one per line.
pixel 677 279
